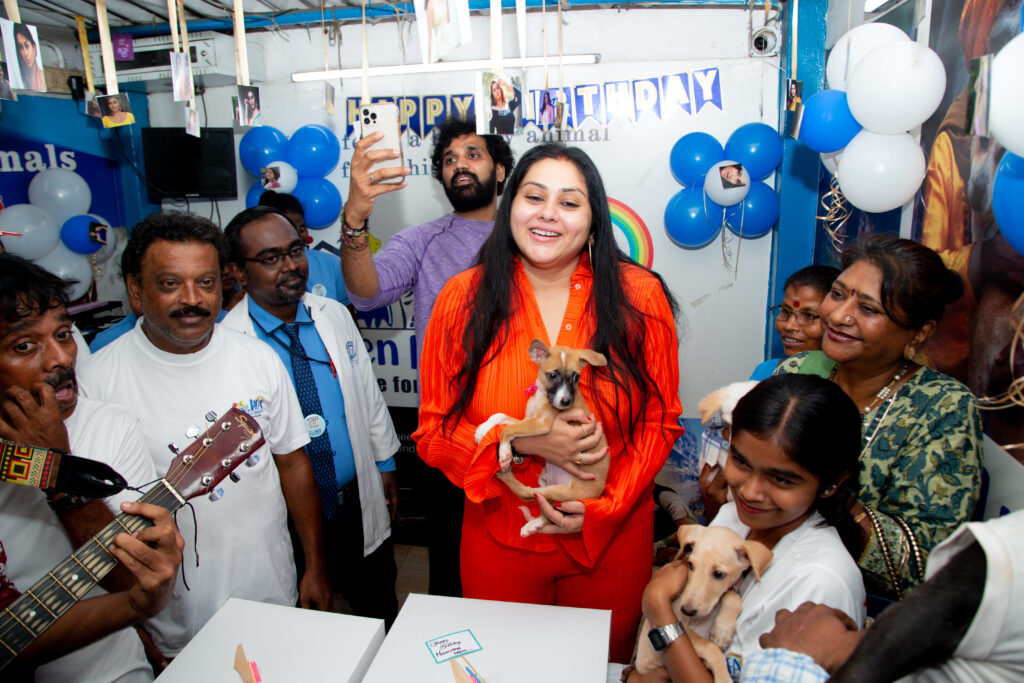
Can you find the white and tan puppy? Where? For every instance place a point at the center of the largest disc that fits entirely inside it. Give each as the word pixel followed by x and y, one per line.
pixel 717 559
pixel 556 390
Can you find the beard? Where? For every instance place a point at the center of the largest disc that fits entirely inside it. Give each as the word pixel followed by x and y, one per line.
pixel 471 196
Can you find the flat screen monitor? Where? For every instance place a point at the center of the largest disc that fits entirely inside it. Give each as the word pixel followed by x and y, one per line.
pixel 180 166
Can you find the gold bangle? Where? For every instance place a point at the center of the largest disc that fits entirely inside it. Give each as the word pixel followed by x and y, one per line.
pixel 860 518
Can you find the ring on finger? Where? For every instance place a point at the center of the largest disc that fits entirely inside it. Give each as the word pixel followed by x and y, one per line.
pixel 561 525
pixel 372 181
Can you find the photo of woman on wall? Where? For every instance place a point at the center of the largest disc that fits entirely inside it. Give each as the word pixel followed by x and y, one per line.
pixel 504 97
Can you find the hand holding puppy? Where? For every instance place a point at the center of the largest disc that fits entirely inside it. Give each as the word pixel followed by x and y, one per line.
pixel 566 442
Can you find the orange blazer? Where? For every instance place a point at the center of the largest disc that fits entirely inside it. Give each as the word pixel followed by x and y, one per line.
pixel 501 387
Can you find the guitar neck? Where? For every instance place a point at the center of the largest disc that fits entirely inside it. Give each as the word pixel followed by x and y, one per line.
pixel 53 595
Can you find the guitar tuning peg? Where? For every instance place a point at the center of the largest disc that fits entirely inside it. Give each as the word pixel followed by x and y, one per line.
pixel 211 416
pixel 216 494
pixel 252 460
pixel 234 477
pixel 192 432
pixel 173 448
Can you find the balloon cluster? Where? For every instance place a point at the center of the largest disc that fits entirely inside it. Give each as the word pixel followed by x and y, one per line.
pixel 301 163
pixel 1006 102
pixel 55 230
pixel 882 84
pixel 717 187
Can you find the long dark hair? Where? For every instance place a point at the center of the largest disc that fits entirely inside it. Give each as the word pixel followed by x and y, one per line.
pixel 26 69
pixel 619 330
pixel 818 426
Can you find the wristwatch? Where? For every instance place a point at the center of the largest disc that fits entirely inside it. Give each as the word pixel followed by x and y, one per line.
pixel 662 637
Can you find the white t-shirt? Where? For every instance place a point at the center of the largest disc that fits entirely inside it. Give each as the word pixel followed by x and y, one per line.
pixel 992 650
pixel 36 541
pixel 808 563
pixel 243 543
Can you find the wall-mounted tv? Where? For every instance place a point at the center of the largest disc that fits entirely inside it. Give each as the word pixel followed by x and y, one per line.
pixel 180 166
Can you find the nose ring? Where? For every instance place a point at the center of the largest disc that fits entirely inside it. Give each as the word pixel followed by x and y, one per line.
pixel 848 319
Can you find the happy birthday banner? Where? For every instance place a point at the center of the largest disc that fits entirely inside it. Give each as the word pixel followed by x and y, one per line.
pixel 628 101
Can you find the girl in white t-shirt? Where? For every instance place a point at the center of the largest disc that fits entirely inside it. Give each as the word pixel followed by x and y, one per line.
pixel 792 476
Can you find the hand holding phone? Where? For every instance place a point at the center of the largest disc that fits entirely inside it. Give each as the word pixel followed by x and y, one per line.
pixel 383 116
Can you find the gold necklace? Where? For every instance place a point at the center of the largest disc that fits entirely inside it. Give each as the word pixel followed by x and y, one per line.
pixel 884 392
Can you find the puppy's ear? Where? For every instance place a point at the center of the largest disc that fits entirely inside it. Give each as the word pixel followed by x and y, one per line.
pixel 593 357
pixel 757 554
pixel 539 352
pixel 688 534
pixel 710 404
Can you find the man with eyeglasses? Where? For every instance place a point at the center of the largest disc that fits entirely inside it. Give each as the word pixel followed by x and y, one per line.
pixel 170 371
pixel 353 440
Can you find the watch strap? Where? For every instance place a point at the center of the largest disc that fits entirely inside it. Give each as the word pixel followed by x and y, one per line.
pixel 663 636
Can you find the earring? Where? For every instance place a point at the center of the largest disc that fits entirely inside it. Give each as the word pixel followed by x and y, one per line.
pixel 590 251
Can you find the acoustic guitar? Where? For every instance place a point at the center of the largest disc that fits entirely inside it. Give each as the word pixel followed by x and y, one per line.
pixel 233 439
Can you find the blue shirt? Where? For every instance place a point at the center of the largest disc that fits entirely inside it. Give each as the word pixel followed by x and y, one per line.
pixel 126 324
pixel 325 278
pixel 271 330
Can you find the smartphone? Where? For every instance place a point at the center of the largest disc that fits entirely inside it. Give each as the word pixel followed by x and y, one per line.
pixel 383 116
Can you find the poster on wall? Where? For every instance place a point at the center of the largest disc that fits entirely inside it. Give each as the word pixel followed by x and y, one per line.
pixel 442 25
pixel 501 99
pixel 247 110
pixel 116 110
pixel 6 92
pixel 974 339
pixel 21 51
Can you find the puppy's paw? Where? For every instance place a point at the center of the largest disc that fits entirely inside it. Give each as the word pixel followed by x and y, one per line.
pixel 721 635
pixel 532 527
pixel 490 423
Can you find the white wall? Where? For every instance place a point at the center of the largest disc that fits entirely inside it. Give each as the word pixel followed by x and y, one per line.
pixel 722 326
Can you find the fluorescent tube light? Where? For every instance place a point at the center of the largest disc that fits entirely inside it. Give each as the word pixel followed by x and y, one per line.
pixel 442 67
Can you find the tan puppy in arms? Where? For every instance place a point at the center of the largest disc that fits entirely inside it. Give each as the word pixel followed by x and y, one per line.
pixel 556 390
pixel 717 558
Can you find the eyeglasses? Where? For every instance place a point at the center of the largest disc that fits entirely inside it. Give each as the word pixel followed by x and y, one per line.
pixel 297 253
pixel 803 318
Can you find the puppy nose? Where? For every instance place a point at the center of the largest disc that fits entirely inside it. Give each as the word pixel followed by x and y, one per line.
pixel 688 611
pixel 564 402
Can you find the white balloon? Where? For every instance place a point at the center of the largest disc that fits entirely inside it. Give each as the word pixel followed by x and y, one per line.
pixel 723 190
pixel 896 87
pixel 107 250
pixel 68 265
pixel 39 232
pixel 1006 98
pixel 287 178
pixel 881 172
pixel 853 46
pixel 831 161
pixel 62 193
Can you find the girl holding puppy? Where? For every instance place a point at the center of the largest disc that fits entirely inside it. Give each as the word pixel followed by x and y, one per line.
pixel 792 473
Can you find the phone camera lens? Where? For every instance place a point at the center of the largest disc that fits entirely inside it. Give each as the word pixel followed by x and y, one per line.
pixel 373 116
pixel 366 121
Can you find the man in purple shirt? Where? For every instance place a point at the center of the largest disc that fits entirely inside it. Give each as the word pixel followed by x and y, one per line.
pixel 472 169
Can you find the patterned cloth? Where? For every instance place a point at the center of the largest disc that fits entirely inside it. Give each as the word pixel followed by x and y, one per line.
pixel 921 462
pixel 782 666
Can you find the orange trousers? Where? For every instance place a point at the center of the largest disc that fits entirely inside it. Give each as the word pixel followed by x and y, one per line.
pixel 494 571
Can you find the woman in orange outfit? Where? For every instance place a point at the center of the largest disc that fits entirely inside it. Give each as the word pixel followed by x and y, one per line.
pixel 535 281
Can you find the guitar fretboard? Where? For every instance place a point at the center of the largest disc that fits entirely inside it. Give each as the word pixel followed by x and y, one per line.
pixel 53 595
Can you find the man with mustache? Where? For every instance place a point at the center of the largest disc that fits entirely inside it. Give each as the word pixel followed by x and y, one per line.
pixel 352 437
pixel 40 406
pixel 472 170
pixel 172 369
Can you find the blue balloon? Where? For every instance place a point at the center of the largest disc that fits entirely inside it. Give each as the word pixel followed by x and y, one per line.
pixel 313 151
pixel 252 197
pixel 692 156
pixel 261 145
pixel 827 124
pixel 691 219
pixel 1007 191
pixel 75 234
pixel 320 201
pixel 756 214
pixel 757 146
